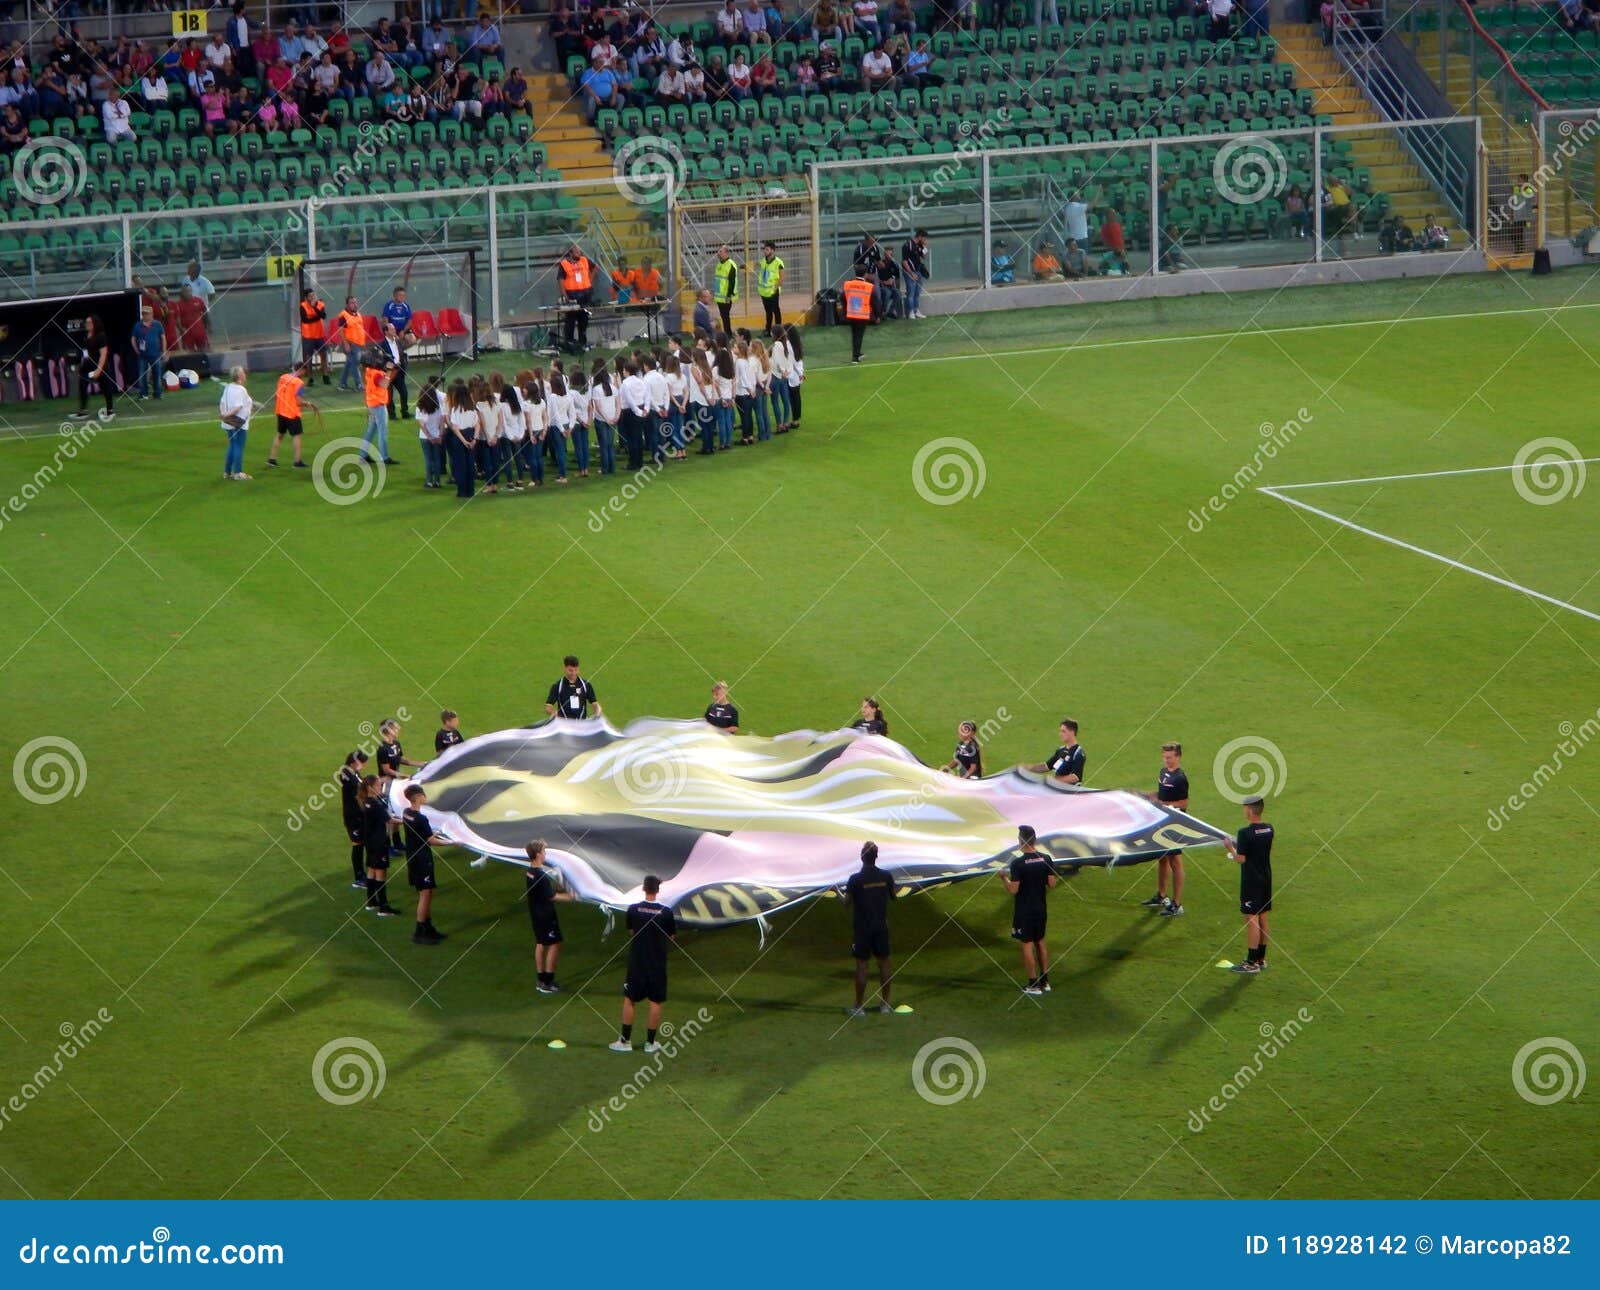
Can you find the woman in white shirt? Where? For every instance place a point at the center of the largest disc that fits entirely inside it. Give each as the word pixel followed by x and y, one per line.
pixel 782 361
pixel 536 416
pixel 744 391
pixel 677 403
pixel 723 366
pixel 578 415
pixel 605 407
pixel 488 440
pixel 430 431
pixel 513 431
pixel 762 368
pixel 797 372
pixel 560 421
pixel 702 398
pixel 234 411
pixel 461 419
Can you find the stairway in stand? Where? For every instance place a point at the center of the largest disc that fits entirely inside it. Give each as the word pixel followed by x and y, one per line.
pixel 574 147
pixel 1337 95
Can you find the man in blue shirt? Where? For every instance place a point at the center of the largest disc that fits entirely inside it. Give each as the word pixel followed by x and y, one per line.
pixel 149 347
pixel 485 40
pixel 600 89
pixel 397 313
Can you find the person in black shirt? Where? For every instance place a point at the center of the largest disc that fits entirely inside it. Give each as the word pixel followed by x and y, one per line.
pixel 449 733
pixel 350 800
pixel 722 714
pixel 652 929
pixel 571 696
pixel 1172 788
pixel 1067 762
pixel 541 894
pixel 868 894
pixel 420 839
pixel 391 757
pixel 375 838
pixel 871 719
pixel 967 761
pixel 1252 851
pixel 1030 876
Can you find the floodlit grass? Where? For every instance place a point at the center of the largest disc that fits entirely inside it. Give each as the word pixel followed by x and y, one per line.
pixel 214 649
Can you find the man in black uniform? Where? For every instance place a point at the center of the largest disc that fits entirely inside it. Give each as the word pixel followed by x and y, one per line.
pixel 1252 851
pixel 868 894
pixel 1031 875
pixel 350 800
pixel 652 929
pixel 375 839
pixel 1067 762
pixel 722 714
pixel 542 893
pixel 420 837
pixel 571 696
pixel 391 757
pixel 1172 788
pixel 449 733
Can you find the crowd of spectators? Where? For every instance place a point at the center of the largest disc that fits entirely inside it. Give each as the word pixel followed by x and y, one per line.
pixel 249 78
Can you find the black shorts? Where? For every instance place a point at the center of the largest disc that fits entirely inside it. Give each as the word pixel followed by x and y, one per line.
pixel 871 945
pixel 378 857
pixel 649 985
pixel 290 426
pixel 1027 928
pixel 1255 900
pixel 547 930
pixel 1172 855
pixel 311 346
pixel 420 874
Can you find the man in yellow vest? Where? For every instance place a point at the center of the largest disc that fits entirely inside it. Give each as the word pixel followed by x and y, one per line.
pixel 577 273
pixel 858 298
pixel 769 278
pixel 725 286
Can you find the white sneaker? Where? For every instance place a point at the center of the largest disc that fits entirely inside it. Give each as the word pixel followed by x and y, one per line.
pixel 652 1047
pixel 620 1046
pixel 105 414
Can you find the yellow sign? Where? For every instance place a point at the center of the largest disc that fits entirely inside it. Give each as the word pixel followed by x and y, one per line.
pixel 280 268
pixel 188 22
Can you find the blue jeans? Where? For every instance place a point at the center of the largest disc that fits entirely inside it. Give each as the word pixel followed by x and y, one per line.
pixel 606 434
pixel 461 455
pixel 556 440
pixel 675 419
pixel 763 422
pixel 534 456
pixel 580 446
pixel 780 400
pixel 724 426
pixel 913 295
pixel 149 375
pixel 352 369
pixel 432 461
pixel 706 419
pixel 746 404
pixel 377 428
pixel 233 461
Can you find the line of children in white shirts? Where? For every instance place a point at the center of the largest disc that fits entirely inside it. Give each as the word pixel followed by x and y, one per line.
pixel 503 432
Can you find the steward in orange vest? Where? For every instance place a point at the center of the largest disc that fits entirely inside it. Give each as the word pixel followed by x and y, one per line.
pixel 577 273
pixel 858 299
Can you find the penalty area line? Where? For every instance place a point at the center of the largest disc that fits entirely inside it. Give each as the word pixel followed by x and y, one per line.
pixel 1432 555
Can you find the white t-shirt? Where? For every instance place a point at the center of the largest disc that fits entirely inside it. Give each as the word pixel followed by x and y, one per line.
pixel 603 406
pixel 744 376
pixel 656 383
pixel 430 425
pixel 235 402
pixel 489 419
pixel 464 420
pixel 677 387
pixel 725 387
pixel 577 408
pixel 536 416
pixel 556 404
pixel 876 63
pixel 781 361
pixel 512 424
pixel 797 373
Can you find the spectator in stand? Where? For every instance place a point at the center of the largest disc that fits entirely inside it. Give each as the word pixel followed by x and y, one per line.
pixel 485 42
pixel 468 92
pixel 52 87
pixel 1111 238
pixel 600 87
pixel 352 76
pixel 439 49
pixel 566 33
pixel 1046 267
pixel 764 75
pixel 379 73
pixel 902 18
pixel 830 71
pixel 865 15
pixel 805 75
pixel 867 255
pixel 214 115
pixel 218 51
pixel 755 23
pixel 237 32
pixel 604 49
pixel 263 48
pixel 739 79
pixel 1074 263
pixel 716 79
pixel 1039 13
pixel 670 88
pixel 313 46
pixel 13 129
pixel 325 75
pixel 681 51
pixel 516 93
pixel 649 54
pixel 290 46
pixel 877 70
pixel 1294 206
pixel 888 288
pixel 1221 15
pixel 116 114
pixel 730 23
pixel 826 24
pixel 152 90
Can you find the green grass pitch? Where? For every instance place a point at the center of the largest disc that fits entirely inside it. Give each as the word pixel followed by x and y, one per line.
pixel 213 649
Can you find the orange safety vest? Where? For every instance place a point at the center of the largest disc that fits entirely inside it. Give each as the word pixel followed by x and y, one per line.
pixel 647 284
pixel 312 324
pixel 287 402
pixel 575 274
pixel 355 331
pixel 377 387
pixel 858 300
